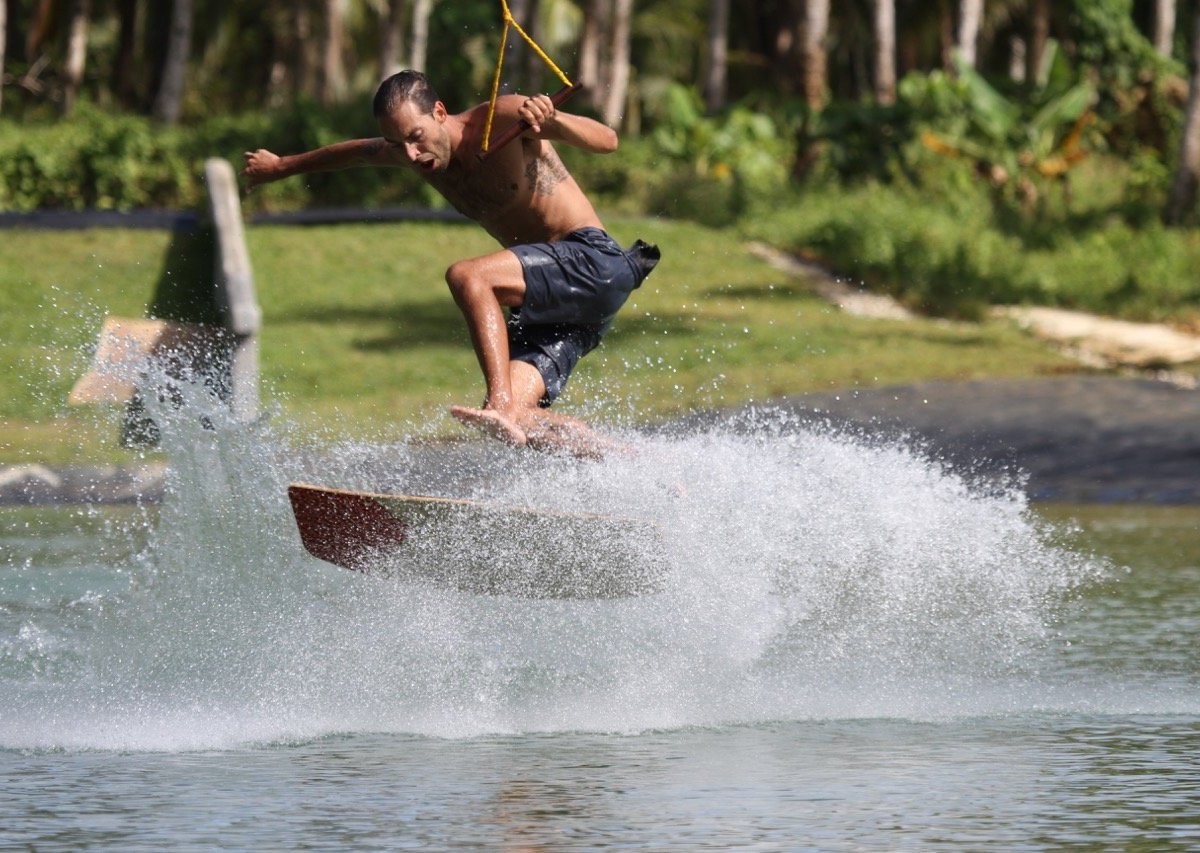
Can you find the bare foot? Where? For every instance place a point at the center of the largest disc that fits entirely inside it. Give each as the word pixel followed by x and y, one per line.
pixel 491 423
pixel 551 432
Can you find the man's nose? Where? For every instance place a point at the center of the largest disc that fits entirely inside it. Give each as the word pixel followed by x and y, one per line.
pixel 411 151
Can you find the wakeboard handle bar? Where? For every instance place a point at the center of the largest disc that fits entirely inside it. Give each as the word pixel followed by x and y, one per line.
pixel 521 126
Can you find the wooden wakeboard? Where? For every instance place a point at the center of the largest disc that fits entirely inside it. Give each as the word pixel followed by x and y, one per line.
pixel 479 547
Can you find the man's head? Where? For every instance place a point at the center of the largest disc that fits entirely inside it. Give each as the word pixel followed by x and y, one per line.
pixel 411 86
pixel 413 120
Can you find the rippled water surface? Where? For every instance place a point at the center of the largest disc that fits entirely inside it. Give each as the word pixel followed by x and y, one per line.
pixel 855 649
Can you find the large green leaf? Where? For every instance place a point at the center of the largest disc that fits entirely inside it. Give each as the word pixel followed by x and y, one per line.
pixel 1057 116
pixel 992 113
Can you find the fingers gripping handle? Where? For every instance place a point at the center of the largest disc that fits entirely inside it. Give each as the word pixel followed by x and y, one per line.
pixel 521 126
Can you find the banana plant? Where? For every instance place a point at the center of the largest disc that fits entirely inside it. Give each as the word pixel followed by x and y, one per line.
pixel 1014 145
pixel 741 145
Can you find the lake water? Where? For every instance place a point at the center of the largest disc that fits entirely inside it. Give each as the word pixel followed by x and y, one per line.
pixel 856 650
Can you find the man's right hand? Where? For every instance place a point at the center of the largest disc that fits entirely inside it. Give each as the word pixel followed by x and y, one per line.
pixel 262 167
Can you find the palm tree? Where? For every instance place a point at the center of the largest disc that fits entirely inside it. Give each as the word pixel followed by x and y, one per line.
pixel 970 19
pixel 122 75
pixel 305 59
pixel 591 51
pixel 1182 200
pixel 717 65
pixel 815 29
pixel 168 103
pixel 391 39
pixel 77 34
pixel 885 51
pixel 422 9
pixel 613 109
pixel 3 41
pixel 515 49
pixel 333 64
pixel 522 65
pixel 1039 34
pixel 1164 26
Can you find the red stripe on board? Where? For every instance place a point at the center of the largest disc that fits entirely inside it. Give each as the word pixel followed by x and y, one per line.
pixel 343 528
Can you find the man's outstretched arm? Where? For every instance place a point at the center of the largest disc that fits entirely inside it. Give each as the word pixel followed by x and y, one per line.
pixel 263 167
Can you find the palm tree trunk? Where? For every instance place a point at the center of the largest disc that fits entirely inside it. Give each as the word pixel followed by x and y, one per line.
pixel 785 37
pixel 619 68
pixel 168 104
pixel 1182 200
pixel 422 9
pixel 391 41
pixel 716 75
pixel 969 21
pixel 534 71
pixel 515 50
pixel 1164 26
pixel 591 50
pixel 122 81
pixel 3 42
pixel 1039 34
pixel 885 51
pixel 76 53
pixel 40 28
pixel 815 29
pixel 946 34
pixel 333 78
pixel 305 59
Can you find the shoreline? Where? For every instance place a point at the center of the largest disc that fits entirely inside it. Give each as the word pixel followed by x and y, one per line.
pixel 82 484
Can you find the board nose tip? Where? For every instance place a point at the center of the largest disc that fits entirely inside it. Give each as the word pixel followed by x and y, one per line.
pixel 343 528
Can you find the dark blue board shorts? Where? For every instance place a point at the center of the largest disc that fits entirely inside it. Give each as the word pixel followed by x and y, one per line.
pixel 573 289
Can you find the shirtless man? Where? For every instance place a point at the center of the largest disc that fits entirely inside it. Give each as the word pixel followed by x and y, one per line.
pixel 560 275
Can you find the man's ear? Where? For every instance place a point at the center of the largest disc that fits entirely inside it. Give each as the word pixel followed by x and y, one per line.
pixel 439 111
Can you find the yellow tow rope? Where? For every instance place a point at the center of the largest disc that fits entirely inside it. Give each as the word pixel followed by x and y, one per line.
pixel 511 23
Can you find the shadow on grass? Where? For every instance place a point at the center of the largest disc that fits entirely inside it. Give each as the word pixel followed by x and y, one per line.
pixel 413 324
pixel 420 324
pixel 939 337
pixel 777 291
pixel 185 290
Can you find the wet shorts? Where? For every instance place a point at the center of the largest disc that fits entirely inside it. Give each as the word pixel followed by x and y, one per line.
pixel 573 289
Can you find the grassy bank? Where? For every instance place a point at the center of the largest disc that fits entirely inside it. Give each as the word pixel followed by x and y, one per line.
pixel 948 247
pixel 361 339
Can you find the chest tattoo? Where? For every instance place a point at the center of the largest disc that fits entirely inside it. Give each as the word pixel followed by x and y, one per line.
pixel 545 172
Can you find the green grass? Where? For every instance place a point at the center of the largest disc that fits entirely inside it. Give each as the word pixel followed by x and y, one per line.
pixel 362 341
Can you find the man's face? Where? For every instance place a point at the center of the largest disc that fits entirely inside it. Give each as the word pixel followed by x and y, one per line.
pixel 420 137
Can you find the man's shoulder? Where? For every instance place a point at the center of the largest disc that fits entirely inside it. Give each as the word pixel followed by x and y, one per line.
pixel 507 104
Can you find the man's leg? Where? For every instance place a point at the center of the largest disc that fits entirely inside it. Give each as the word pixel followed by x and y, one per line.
pixel 482 288
pixel 551 432
pixel 529 425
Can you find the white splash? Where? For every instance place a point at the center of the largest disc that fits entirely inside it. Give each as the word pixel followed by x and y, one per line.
pixel 809 575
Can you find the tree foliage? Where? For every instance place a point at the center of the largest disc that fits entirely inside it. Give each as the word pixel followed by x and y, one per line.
pixel 785 109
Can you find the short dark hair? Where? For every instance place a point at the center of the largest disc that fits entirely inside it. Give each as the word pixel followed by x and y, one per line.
pixel 411 86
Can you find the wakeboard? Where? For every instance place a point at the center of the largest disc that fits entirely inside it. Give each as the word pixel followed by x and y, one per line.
pixel 479 547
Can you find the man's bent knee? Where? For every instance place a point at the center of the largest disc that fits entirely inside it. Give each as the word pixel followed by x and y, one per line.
pixel 487 278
